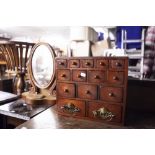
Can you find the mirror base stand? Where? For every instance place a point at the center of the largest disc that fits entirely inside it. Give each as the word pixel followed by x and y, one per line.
pixel 33 98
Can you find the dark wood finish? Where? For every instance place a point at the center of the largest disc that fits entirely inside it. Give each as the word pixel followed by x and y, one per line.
pixel 50 119
pixel 117 64
pixel 116 77
pixel 79 75
pixel 61 64
pixel 97 76
pixel 87 91
pixel 64 75
pixel 87 63
pixel 113 94
pixel 99 82
pixel 73 63
pixel 13 53
pixel 115 109
pixel 102 63
pixel 66 90
pixel 42 94
pixel 62 103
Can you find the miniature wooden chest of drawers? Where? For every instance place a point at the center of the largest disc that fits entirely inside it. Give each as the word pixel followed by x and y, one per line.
pixel 92 87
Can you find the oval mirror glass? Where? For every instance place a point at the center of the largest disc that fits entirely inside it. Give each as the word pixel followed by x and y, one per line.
pixel 42 66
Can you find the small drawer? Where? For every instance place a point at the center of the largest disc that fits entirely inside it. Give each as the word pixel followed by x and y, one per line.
pixel 61 63
pixel 96 76
pixel 105 112
pixel 79 75
pixel 71 107
pixel 115 77
pixel 102 64
pixel 113 94
pixel 87 91
pixel 63 75
pixel 86 63
pixel 65 90
pixel 73 63
pixel 117 64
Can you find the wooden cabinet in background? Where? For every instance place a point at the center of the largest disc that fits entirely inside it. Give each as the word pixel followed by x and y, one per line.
pixel 92 87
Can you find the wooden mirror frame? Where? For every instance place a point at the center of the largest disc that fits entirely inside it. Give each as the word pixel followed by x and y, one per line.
pixel 29 65
pixel 37 94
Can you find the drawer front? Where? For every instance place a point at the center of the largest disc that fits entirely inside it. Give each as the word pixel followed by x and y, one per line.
pixel 117 64
pixel 65 90
pixel 102 64
pixel 105 112
pixel 73 63
pixel 61 63
pixel 80 75
pixel 115 77
pixel 71 107
pixel 87 91
pixel 87 63
pixel 113 94
pixel 63 75
pixel 96 76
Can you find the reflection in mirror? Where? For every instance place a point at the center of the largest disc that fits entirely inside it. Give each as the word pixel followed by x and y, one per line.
pixel 42 66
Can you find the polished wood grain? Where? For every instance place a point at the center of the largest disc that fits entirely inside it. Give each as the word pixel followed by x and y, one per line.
pixel 114 94
pixel 50 119
pixel 80 104
pixel 66 90
pixel 98 81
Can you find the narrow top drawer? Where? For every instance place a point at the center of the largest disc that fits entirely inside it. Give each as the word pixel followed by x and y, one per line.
pixel 87 63
pixel 116 64
pixel 61 63
pixel 74 63
pixel 102 63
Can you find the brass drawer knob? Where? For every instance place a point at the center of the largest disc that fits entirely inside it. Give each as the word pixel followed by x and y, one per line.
pixel 118 64
pixel 66 90
pixel 79 76
pixel 96 77
pixel 63 75
pixel 111 94
pixel 87 92
pixel 103 113
pixel 115 78
pixel 102 64
pixel 61 63
pixel 87 63
pixel 74 63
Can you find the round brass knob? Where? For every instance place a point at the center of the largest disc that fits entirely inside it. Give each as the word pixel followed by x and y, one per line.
pixel 87 92
pixel 74 63
pixel 66 90
pixel 110 94
pixel 79 76
pixel 102 63
pixel 96 77
pixel 117 64
pixel 61 63
pixel 87 63
pixel 63 75
pixel 115 78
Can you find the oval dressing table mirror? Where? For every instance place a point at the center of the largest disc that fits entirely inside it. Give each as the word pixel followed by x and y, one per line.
pixel 41 71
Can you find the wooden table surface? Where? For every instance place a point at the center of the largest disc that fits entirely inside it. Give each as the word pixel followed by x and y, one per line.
pixel 50 119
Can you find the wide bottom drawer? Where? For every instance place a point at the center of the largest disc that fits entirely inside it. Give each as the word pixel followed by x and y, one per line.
pixel 71 107
pixel 105 112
